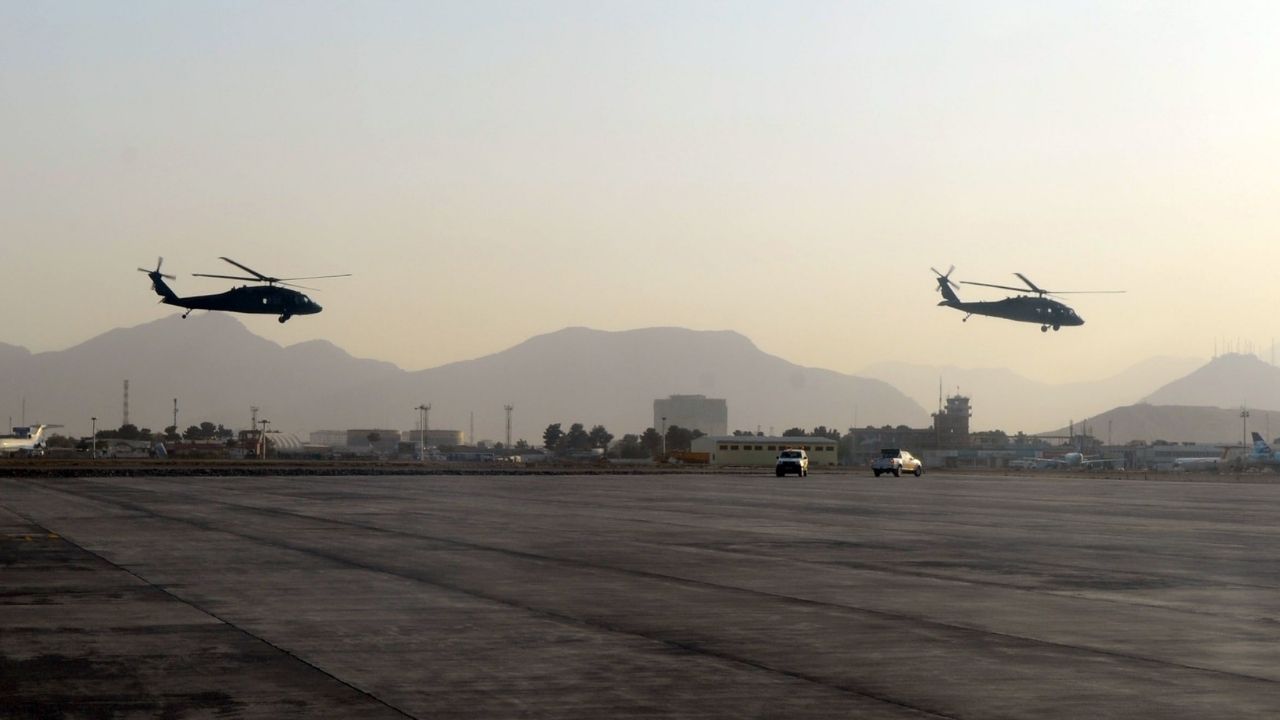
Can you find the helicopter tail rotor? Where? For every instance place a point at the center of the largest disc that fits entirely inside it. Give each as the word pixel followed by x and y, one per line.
pixel 158 282
pixel 946 285
pixel 159 263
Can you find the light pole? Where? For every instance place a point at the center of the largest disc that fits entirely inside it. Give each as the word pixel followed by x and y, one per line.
pixel 424 419
pixel 664 437
pixel 262 440
pixel 94 435
pixel 1244 427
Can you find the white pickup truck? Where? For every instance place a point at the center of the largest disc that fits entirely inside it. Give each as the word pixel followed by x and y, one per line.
pixel 897 461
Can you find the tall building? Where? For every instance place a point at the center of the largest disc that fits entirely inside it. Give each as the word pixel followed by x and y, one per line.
pixel 692 412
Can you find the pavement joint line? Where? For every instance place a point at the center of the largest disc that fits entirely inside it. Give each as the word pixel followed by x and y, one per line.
pixel 209 613
pixel 543 612
pixel 667 578
pixel 864 566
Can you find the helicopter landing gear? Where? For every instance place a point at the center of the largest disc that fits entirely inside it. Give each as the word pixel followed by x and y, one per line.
pixel 966 317
pixel 185 314
pixel 1044 328
pixel 1056 328
pixel 285 317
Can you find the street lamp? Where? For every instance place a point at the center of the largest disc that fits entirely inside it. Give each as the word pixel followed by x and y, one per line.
pixel 94 435
pixel 424 421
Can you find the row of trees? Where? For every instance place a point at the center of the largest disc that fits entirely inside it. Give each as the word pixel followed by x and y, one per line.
pixel 650 443
pixel 204 432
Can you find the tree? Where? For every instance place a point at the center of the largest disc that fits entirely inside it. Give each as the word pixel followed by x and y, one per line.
pixel 678 439
pixel 600 438
pixel 551 436
pixel 192 433
pixel 823 431
pixel 171 433
pixel 576 440
pixel 794 432
pixel 652 442
pixel 630 447
pixel 695 434
pixel 522 444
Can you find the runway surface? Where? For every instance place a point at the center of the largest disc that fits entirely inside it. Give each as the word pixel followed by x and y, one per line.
pixel 686 596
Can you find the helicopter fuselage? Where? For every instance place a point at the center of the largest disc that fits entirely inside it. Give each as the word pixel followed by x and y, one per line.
pixel 260 299
pixel 1023 308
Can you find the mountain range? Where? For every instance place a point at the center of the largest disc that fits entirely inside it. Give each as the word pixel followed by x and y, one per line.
pixel 217 369
pixel 1004 400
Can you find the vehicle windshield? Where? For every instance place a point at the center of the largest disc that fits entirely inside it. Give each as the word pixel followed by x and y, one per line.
pixel 791 454
pixel 889 452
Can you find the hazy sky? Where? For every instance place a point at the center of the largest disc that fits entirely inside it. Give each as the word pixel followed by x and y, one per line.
pixel 492 171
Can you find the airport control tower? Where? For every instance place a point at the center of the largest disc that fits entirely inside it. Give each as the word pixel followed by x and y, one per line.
pixel 952 423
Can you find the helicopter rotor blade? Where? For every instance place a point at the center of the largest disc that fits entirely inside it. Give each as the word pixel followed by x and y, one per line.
pixel 251 271
pixel 1087 292
pixel 300 287
pixel 228 277
pixel 1002 287
pixel 312 277
pixel 1030 284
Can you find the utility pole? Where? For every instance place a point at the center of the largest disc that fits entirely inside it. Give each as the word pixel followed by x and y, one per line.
pixel 126 404
pixel 471 434
pixel 94 453
pixel 1244 426
pixel 508 408
pixel 262 440
pixel 424 411
pixel 175 418
pixel 253 416
pixel 664 437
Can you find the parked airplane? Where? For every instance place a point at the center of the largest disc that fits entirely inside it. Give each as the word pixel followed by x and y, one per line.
pixel 1262 455
pixel 1193 464
pixel 25 441
pixel 1078 460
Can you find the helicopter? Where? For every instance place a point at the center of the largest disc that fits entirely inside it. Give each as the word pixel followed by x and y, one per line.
pixel 269 299
pixel 1022 308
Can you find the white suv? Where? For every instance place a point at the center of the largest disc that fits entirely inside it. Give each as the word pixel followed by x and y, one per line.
pixel 792 461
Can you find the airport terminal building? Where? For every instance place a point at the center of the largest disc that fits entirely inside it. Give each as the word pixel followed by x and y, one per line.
pixel 762 451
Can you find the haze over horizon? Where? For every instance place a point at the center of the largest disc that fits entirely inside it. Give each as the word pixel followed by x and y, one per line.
pixel 494 171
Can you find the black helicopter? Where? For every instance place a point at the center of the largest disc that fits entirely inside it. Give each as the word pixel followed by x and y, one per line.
pixel 269 299
pixel 1022 308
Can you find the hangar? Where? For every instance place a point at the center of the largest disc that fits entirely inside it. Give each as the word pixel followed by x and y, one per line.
pixel 762 451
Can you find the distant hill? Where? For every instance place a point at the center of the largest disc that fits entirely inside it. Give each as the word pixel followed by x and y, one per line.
pixel 1227 381
pixel 1176 423
pixel 217 369
pixel 1005 400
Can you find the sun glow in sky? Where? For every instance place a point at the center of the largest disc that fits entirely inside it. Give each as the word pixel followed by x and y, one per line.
pixel 490 171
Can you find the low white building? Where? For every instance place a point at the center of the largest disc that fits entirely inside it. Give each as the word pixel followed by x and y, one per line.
pixel 761 451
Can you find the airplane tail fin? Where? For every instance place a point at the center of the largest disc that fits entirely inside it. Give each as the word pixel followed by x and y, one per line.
pixel 157 282
pixel 945 286
pixel 1260 446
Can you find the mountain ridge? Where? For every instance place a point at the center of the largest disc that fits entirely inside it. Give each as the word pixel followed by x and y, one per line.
pixel 217 369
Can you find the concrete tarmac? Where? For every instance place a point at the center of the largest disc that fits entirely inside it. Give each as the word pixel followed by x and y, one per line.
pixel 685 596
